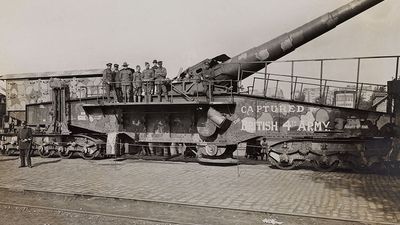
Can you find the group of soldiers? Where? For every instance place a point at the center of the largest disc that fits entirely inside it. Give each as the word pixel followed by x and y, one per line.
pixel 127 84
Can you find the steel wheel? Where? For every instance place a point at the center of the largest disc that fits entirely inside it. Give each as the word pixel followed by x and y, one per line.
pixel 392 167
pixel 46 151
pixel 284 166
pixel 64 153
pixel 10 152
pixel 88 155
pixel 88 149
pixel 287 166
pixel 3 149
pixel 323 167
pixel 359 168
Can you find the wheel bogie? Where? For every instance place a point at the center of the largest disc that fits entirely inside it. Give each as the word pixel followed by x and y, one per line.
pixel 46 151
pixel 323 155
pixel 328 155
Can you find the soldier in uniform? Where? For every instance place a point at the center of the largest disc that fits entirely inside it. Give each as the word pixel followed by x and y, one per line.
pixel 161 76
pixel 208 83
pixel 107 80
pixel 126 80
pixel 137 85
pixel 154 67
pixel 25 145
pixel 117 83
pixel 264 149
pixel 147 82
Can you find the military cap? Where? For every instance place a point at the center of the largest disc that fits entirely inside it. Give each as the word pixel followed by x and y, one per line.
pixel 159 62
pixel 116 65
pixel 125 64
pixel 154 61
pixel 146 63
pixel 109 64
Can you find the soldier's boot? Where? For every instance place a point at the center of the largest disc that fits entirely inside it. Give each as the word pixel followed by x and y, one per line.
pixel 159 98
pixel 28 160
pixel 22 158
pixel 134 98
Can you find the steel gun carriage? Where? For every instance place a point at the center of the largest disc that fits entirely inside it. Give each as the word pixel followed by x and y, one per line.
pixel 209 115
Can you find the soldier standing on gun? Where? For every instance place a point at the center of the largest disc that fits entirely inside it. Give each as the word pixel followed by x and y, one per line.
pixel 147 82
pixel 25 145
pixel 137 85
pixel 161 76
pixel 154 67
pixel 126 80
pixel 208 83
pixel 117 83
pixel 107 80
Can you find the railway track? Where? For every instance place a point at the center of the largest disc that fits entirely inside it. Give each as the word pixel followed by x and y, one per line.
pixel 87 213
pixel 130 211
pixel 387 170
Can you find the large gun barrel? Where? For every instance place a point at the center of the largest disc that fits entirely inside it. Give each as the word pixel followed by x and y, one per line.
pixel 227 69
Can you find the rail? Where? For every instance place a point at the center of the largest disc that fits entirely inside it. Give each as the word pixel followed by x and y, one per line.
pixel 294 85
pixel 360 95
pixel 190 90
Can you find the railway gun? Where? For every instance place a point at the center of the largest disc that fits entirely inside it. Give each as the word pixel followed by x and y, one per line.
pixel 208 113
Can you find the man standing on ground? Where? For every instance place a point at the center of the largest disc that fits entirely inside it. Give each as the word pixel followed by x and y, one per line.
pixel 126 80
pixel 25 145
pixel 161 81
pixel 147 82
pixel 264 149
pixel 107 80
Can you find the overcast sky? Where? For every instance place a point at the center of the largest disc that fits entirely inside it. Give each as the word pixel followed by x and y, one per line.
pixel 55 35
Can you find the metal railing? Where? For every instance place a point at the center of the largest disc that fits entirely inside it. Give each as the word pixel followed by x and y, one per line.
pixel 322 89
pixel 192 90
pixel 299 82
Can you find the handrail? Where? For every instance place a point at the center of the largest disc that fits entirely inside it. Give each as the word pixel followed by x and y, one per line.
pixel 313 78
pixel 190 89
pixel 327 87
pixel 350 88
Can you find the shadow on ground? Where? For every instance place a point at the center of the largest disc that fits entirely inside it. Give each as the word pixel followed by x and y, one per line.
pixel 9 159
pixel 46 162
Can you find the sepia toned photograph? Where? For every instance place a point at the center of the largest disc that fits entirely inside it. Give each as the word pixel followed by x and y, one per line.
pixel 189 112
